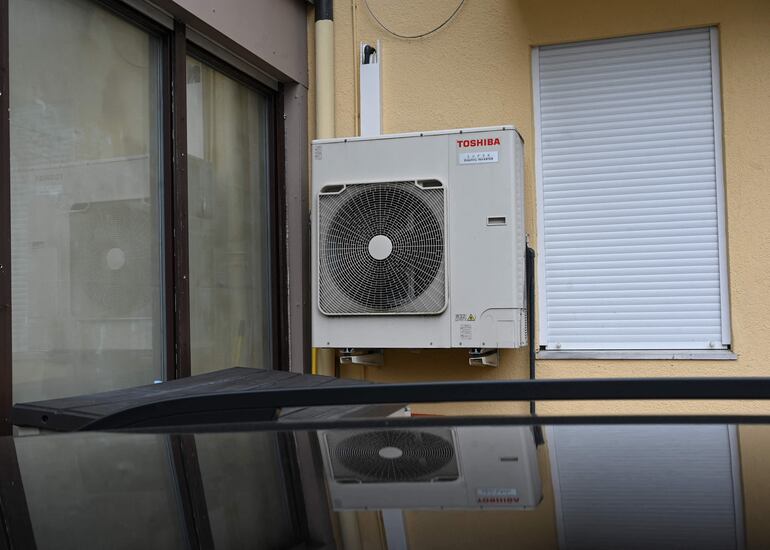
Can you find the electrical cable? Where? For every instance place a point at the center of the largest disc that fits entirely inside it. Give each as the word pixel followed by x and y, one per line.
pixel 411 37
pixel 530 284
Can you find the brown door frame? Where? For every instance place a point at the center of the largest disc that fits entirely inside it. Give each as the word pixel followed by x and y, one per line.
pixel 6 323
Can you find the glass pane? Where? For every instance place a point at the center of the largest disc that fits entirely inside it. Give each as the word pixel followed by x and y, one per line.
pixel 101 491
pixel 227 201
pixel 85 180
pixel 247 499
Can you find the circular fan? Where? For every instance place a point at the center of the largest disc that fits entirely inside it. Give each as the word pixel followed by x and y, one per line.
pixel 382 249
pixel 394 455
pixel 111 259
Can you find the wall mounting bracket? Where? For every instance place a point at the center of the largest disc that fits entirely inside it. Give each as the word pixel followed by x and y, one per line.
pixel 368 357
pixel 484 357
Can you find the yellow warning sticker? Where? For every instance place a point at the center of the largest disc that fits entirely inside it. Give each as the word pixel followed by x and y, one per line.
pixel 471 317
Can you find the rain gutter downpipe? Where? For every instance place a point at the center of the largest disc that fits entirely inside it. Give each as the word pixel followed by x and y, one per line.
pixel 323 360
pixel 324 69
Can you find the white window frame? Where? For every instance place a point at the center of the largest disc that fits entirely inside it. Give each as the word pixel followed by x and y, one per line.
pixel 724 286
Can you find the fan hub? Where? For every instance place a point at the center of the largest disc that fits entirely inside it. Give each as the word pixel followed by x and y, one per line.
pixel 116 259
pixel 380 247
pixel 390 452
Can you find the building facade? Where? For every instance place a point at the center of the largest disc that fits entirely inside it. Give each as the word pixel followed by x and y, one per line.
pixel 645 163
pixel 154 192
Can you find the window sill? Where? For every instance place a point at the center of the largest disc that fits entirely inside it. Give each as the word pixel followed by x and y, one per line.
pixel 677 354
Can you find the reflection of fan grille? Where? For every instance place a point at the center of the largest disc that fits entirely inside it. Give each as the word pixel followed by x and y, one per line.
pixel 396 455
pixel 410 278
pixel 111 246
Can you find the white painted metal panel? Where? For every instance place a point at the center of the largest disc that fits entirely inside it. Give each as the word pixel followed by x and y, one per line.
pixel 646 486
pixel 482 172
pixel 629 172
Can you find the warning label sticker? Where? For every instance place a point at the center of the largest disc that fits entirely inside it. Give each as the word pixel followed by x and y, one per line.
pixel 466 331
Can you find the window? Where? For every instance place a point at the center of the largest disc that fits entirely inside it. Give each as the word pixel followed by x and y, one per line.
pixel 630 194
pixel 227 210
pixel 86 181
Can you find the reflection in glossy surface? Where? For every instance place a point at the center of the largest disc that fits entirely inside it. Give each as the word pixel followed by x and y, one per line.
pixel 227 142
pixel 100 491
pixel 154 491
pixel 246 493
pixel 661 486
pixel 451 467
pixel 86 181
pixel 598 486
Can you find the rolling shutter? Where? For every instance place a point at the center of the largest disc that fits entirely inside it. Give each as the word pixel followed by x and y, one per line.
pixel 629 175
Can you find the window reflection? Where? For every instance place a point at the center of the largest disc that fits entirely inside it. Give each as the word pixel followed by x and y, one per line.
pixel 227 202
pixel 85 180
pixel 100 491
pixel 248 501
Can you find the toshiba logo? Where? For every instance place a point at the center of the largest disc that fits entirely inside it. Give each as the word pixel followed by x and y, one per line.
pixel 483 142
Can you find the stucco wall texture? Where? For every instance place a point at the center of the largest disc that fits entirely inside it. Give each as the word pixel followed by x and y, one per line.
pixel 476 71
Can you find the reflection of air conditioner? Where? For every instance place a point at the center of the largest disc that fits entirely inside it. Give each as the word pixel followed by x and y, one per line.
pixel 87 245
pixel 111 260
pixel 418 240
pixel 462 467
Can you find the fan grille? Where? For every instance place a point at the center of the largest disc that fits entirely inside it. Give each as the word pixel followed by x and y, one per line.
pixel 381 249
pixel 394 456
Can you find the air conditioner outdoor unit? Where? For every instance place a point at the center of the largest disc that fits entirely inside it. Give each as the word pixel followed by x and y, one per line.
pixel 418 240
pixel 461 467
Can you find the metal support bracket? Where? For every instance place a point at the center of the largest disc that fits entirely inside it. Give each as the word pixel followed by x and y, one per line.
pixel 368 357
pixel 484 357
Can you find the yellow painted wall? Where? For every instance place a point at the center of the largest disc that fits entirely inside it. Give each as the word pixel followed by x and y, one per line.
pixel 476 71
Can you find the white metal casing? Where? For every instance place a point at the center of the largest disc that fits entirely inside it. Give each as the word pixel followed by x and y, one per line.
pixel 498 469
pixel 486 305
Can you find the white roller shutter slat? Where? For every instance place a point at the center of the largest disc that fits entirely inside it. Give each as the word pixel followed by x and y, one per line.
pixel 629 194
